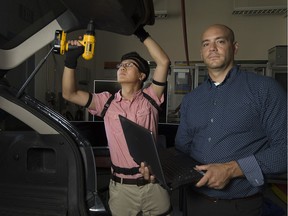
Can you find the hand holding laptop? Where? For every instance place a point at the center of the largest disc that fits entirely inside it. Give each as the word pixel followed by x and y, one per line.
pixel 170 167
pixel 145 171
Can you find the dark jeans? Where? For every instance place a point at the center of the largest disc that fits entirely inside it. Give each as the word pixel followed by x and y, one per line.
pixel 199 205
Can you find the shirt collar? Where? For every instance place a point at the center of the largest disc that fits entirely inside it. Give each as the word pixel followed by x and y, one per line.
pixel 118 96
pixel 231 74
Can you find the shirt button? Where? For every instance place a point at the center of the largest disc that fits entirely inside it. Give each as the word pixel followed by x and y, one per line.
pixel 209 139
pixel 212 120
pixel 214 102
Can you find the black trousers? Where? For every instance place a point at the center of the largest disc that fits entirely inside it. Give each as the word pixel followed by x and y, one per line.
pixel 199 205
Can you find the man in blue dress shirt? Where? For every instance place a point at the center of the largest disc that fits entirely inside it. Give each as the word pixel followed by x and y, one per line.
pixel 235 123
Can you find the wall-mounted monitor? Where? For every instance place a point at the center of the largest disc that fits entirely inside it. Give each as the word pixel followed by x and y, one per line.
pixel 111 86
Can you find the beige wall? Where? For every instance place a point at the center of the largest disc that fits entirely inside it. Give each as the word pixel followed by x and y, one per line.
pixel 256 34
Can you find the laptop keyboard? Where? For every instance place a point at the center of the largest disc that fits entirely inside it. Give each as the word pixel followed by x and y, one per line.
pixel 178 168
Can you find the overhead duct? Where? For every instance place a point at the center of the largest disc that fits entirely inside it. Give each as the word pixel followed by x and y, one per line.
pixel 260 7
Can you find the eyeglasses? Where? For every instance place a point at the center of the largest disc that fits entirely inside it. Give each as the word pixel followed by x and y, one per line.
pixel 126 65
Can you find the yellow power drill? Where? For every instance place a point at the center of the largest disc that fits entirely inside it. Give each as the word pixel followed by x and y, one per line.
pixel 61 46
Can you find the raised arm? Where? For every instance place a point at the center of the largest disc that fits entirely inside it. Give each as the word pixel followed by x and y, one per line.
pixel 70 92
pixel 161 59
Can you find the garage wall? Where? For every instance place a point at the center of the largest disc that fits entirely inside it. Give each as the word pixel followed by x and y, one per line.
pixel 256 34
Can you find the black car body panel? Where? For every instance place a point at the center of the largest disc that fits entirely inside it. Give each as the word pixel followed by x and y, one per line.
pixel 49 169
pixel 29 25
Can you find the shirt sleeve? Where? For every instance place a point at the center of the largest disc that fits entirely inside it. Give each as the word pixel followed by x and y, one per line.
pixel 99 101
pixel 273 118
pixel 272 159
pixel 183 139
pixel 251 170
pixel 151 93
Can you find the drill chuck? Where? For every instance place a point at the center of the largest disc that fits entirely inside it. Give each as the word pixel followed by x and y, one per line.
pixel 90 28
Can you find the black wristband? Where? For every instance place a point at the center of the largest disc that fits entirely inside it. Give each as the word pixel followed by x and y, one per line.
pixel 89 100
pixel 70 63
pixel 159 83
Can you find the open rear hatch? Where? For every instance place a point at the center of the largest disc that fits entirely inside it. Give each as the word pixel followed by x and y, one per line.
pixel 29 25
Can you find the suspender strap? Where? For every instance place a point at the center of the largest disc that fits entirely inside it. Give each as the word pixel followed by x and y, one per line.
pixel 125 171
pixel 152 101
pixel 106 106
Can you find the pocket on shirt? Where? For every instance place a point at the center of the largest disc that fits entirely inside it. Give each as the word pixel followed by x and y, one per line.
pixel 113 121
pixel 143 114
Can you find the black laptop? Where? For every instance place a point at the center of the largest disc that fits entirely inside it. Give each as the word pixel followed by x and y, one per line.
pixel 171 167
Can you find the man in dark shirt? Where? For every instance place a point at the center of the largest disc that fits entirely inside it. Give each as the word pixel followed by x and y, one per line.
pixel 235 123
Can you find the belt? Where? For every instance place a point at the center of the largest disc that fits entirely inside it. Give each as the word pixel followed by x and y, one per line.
pixel 139 181
pixel 214 199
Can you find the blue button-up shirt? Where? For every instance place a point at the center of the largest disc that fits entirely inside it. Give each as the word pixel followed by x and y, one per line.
pixel 243 119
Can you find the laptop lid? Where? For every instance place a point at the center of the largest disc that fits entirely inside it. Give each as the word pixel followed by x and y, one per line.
pixel 142 146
